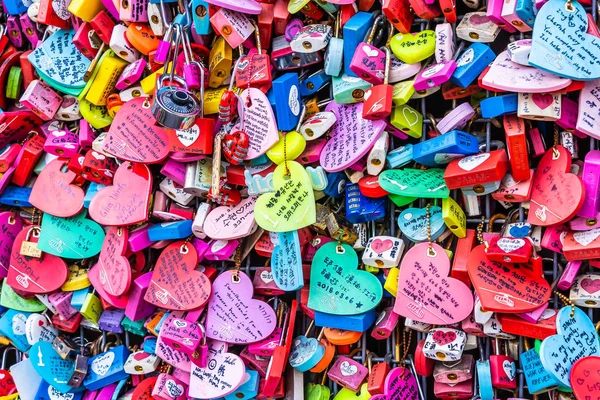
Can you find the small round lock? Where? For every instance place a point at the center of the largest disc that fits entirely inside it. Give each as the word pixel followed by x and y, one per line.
pixel 175 107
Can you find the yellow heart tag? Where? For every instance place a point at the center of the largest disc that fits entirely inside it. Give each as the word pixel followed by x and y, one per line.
pixel 294 146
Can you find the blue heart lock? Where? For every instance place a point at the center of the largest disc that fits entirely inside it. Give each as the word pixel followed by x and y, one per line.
pixel 560 42
pixel 576 338
pixel 286 262
pixel 51 367
pixel 413 223
pixel 13 327
pixel 306 353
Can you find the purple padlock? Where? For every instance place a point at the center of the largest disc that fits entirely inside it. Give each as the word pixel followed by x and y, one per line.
pixel 201 247
pixel 29 29
pixel 385 324
pixel 569 111
pixel 62 302
pixel 221 249
pixel 62 143
pixel 187 337
pixel 292 28
pixel 256 362
pixel 110 320
pixel 131 74
pixel 266 346
pixel 312 152
pixel 139 239
pixel 534 315
pixel 456 119
pixel 175 171
pixel 86 134
pixel 138 308
pixel 591 180
pixel 13 29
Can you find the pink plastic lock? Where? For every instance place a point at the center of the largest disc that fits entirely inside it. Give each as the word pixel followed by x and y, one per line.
pixel 29 29
pixel 138 308
pixel 534 315
pixel 138 239
pixel 167 387
pixel 456 119
pixel 368 63
pixel 86 134
pixel 41 99
pixel 348 373
pixel 569 274
pixel 221 249
pixel 590 177
pixel 509 14
pixel 434 75
pixel 312 152
pixel 175 171
pixel 7 178
pixel 385 324
pixel 265 284
pixel 472 327
pixel 538 146
pixel 494 13
pixel 256 362
pixel 62 143
pixel 186 337
pixel 266 346
pixel 131 74
pixel 201 247
pixel 553 238
pixel 569 111
pixel 8 156
pixel 62 303
pixel 13 27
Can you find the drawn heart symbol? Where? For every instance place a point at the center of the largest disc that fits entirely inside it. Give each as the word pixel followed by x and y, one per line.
pixel 305 353
pixel 369 52
pixel 411 116
pixel 508 245
pixel 226 368
pixel 366 288
pixel 580 376
pixel 400 384
pixel 590 285
pixel 38 328
pixel 584 238
pixel 62 237
pixel 509 369
pixel 292 205
pixel 51 367
pixel 176 284
pixel 113 267
pixel 31 274
pixel 502 288
pixel 126 202
pixel 367 94
pixel 443 338
pixel 469 163
pixel 576 338
pixel 348 369
pixel 224 323
pixel 266 276
pixel 557 194
pixel 478 19
pixel 10 226
pixel 101 364
pixel 423 303
pixel 380 246
pixel 542 100
pixel 53 192
pixel 352 136
pixel 231 222
pixel 413 223
pixel 552 46
pixel 134 135
pixel 175 390
pixel 180 324
pixel 187 137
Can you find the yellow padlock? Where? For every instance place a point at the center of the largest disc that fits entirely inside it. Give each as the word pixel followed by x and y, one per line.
pixel 391 282
pixel 76 280
pixel 219 62
pixel 96 116
pixel 454 217
pixel 312 107
pixel 86 9
pixel 148 84
pixel 91 308
pixel 13 396
pixel 103 85
pixel 212 99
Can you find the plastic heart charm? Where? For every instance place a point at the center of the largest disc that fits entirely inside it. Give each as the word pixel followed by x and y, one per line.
pixel 235 146
pixel 413 47
pixel 226 368
pixel 352 136
pixel 53 192
pixel 585 377
pixel 292 205
pixel 291 146
pixel 32 274
pixel 413 223
pixel 505 287
pixel 400 384
pixel 126 202
pixel 134 135
pixel 10 226
pixel 560 42
pixel 337 287
pixel 75 237
pixel 113 267
pixel 50 366
pixel 176 284
pixel 231 222
pixel 233 291
pixel 557 194
pixel 575 339
pixel 426 293
pixel 305 353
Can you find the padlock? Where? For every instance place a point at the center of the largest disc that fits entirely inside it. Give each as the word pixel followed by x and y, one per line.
pixel 539 106
pixel 167 387
pixel 503 369
pixel 311 38
pixel 583 292
pixel 471 63
pixel 235 27
pixel 311 84
pixel 355 31
pixel 13 327
pixel 463 390
pixel 140 363
pixel 444 344
pixel 360 208
pixel 285 101
pixel 348 89
pixel 285 59
pixel 87 41
pixel 62 143
pixel 477 27
pixel 378 99
pixel 454 372
pixel 175 107
pixel 509 250
pixel 408 120
pixel 334 55
pixel 441 150
pixel 385 324
pixel 368 62
pixel 255 68
pixel 383 252
pixel 513 12
pixel 478 174
pixel 41 99
pixel 348 373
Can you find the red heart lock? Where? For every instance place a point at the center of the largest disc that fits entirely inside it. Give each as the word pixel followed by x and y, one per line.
pixel 504 288
pixel 235 146
pixel 585 378
pixel 176 284
pixel 31 274
pixel 113 267
pixel 143 391
pixel 557 194
pixel 443 338
pixel 53 192
pixel 126 202
pixel 134 135
pixel 7 384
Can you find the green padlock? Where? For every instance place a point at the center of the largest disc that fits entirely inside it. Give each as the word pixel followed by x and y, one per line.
pixel 313 391
pixel 349 89
pixel 347 394
pixel 97 116
pixel 135 327
pixel 14 83
pixel 408 120
pixel 413 47
pixel 91 308
pixel 402 92
pixel 10 299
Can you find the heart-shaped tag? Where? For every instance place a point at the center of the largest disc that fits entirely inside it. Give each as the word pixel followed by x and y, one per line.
pixel 10 226
pixel 51 367
pixel 134 135
pixel 74 237
pixel 38 328
pixel 351 137
pixel 176 284
pixel 469 163
pixel 305 353
pixel 31 274
pixel 410 182
pixel 143 390
pixel 116 301
pixel 231 222
pixel 226 368
pixel 381 246
pixel 400 384
pixel 414 224
pixel 585 378
pixel 113 267
pixel 187 137
pixel 557 194
pixel 259 123
pixel 348 291
pixel 426 293
pixel 504 288
pixel 413 47
pixel 575 339
pixel 314 391
pixel 554 48
pixel 292 205
pixel 126 202
pixel 286 262
pixel 510 369
pixel 443 338
pixel 233 291
pixel 171 356
pixel 542 100
pixel 510 76
pixel 10 299
pixel 53 192
pixel 60 60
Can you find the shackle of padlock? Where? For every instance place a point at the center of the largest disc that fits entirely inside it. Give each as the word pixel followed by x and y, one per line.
pixel 189 73
pixel 174 107
pixel 18 355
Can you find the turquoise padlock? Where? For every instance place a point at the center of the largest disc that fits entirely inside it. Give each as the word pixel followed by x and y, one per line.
pixel 306 352
pixel 248 389
pixel 349 89
pixel 106 368
pixel 52 368
pixel 201 17
pixel 79 297
pixel 12 327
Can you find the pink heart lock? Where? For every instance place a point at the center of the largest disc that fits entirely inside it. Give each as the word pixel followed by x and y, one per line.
pixel 381 246
pixel 126 202
pixel 231 222
pixel 477 19
pixel 224 321
pixel 53 192
pixel 10 226
pixel 590 285
pixel 114 269
pixel 542 100
pixel 400 384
